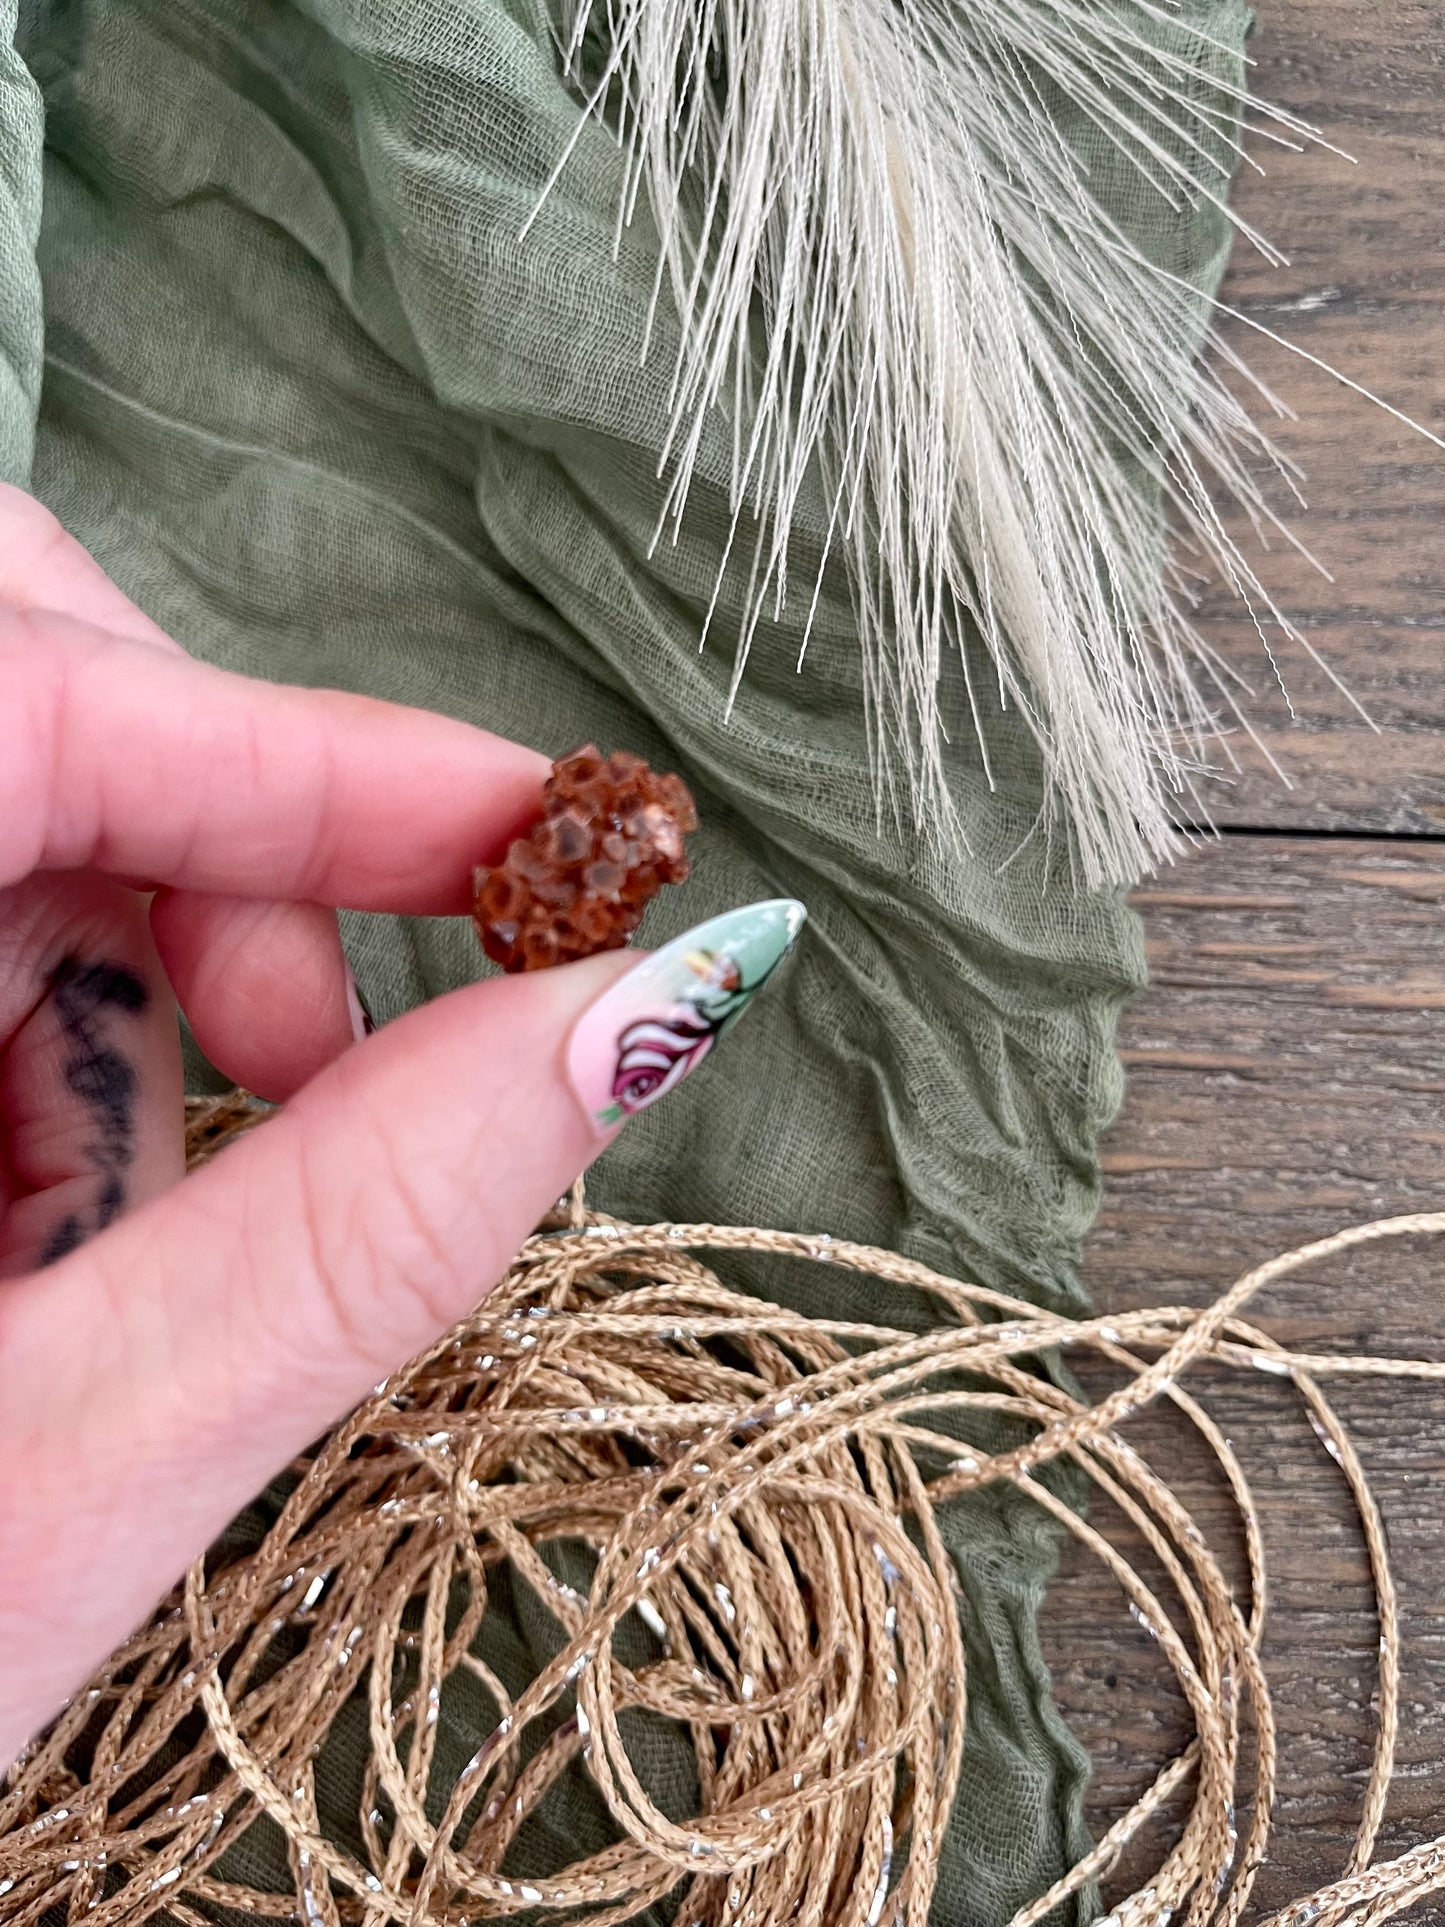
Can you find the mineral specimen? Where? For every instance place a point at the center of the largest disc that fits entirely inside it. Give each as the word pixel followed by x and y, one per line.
pixel 610 836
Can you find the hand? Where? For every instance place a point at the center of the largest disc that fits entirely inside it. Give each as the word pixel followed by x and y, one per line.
pixel 166 1347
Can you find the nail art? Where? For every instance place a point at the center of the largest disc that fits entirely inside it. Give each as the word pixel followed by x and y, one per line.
pixel 658 1022
pixel 362 1024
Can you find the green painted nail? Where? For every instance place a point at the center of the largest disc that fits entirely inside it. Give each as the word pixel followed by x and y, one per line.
pixel 660 1021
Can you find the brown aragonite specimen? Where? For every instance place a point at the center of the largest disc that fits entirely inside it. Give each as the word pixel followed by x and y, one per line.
pixel 610 836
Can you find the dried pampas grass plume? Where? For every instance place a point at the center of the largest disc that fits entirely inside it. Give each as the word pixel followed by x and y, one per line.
pixel 999 385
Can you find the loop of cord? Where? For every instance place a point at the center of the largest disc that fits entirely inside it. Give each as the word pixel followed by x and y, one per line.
pixel 722 1521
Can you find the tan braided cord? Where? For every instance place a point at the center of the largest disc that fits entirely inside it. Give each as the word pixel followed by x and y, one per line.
pixel 759 1494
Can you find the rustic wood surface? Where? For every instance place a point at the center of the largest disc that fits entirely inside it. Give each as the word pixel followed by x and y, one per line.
pixel 1286 1078
pixel 1364 291
pixel 1287 1065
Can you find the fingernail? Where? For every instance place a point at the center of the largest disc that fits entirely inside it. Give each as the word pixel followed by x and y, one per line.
pixel 361 1023
pixel 661 1020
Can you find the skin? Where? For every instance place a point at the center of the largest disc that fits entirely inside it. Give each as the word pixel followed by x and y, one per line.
pixel 171 834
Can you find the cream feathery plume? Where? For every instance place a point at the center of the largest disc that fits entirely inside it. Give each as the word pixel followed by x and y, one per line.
pixel 1001 389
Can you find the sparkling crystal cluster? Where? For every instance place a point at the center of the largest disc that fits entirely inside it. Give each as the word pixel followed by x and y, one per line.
pixel 611 835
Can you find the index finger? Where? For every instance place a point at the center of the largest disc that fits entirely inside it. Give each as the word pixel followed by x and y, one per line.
pixel 118 756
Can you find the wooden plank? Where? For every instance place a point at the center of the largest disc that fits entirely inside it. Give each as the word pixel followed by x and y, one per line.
pixel 1365 291
pixel 1286 1078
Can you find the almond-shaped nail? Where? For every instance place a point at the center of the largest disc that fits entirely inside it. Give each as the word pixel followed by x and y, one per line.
pixel 361 1021
pixel 661 1020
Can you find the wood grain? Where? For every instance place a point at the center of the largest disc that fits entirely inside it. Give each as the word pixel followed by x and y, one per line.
pixel 1364 290
pixel 1286 1078
pixel 1287 1065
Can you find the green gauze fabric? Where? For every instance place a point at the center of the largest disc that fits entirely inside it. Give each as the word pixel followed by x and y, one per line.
pixel 318 407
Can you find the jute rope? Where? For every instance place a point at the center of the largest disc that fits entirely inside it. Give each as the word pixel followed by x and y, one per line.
pixel 760 1495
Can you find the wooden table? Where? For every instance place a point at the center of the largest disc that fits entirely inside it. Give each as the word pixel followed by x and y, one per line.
pixel 1287 1066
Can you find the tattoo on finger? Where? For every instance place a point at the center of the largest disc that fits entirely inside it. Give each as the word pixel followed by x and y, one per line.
pixel 87 996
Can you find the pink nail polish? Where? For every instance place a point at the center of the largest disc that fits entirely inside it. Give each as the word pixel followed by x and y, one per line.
pixel 361 1024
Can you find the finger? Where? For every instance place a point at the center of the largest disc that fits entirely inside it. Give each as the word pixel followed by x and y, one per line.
pixel 90 1072
pixel 277 1285
pixel 292 994
pixel 43 567
pixel 118 756
pixel 260 1299
pixel 265 986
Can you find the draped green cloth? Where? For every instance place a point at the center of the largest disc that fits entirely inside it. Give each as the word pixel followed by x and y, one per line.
pixel 309 395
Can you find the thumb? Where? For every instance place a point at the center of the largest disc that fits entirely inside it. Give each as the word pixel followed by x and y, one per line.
pixel 159 1376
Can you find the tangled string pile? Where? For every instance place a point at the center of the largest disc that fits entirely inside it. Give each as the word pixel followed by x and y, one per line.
pixel 759 1491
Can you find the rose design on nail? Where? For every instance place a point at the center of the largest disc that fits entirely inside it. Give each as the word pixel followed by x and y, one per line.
pixel 656 1024
pixel 655 1053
